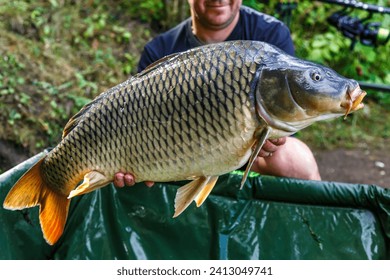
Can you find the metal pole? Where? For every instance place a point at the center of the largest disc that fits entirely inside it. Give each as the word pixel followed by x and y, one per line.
pixel 378 87
pixel 359 5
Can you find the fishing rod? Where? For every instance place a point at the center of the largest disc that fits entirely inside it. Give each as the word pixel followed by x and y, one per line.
pixel 354 28
pixel 377 87
pixel 357 29
pixel 359 5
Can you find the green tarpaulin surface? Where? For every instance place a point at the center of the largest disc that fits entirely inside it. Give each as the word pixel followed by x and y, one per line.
pixel 270 218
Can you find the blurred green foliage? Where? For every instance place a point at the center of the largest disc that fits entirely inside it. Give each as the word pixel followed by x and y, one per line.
pixel 57 55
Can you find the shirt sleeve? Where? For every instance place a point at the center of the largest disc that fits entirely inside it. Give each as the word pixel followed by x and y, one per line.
pixel 172 41
pixel 254 25
pixel 283 39
pixel 148 56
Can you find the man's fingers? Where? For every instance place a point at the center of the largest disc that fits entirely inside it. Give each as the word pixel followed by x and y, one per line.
pixel 278 141
pixel 119 180
pixel 271 146
pixel 149 183
pixel 129 180
pixel 267 149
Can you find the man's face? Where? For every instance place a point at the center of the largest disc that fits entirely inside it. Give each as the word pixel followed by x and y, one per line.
pixel 215 14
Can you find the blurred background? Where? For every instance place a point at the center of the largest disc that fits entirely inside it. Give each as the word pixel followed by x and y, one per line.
pixel 57 55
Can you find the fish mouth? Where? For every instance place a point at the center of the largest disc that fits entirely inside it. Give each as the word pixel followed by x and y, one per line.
pixel 353 101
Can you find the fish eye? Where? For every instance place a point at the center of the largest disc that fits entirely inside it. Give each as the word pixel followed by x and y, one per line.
pixel 316 76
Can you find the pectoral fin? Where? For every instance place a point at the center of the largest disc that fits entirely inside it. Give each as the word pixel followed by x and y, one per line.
pixel 204 193
pixel 92 181
pixel 261 138
pixel 197 189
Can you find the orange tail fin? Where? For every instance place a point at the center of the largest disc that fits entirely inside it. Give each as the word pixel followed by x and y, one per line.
pixel 31 190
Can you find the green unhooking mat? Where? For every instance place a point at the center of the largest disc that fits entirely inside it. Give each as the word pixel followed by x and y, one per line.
pixel 270 218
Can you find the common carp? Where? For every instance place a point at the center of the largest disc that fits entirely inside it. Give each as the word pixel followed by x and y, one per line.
pixel 190 116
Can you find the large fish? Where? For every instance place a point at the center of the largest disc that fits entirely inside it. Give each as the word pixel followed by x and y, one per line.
pixel 190 116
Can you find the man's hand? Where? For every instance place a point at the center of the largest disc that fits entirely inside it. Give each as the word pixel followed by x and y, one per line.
pixel 127 179
pixel 270 146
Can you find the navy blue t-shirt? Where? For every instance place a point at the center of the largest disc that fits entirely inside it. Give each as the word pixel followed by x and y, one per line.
pixel 252 25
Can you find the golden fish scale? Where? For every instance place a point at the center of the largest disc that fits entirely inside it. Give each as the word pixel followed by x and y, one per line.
pixel 192 116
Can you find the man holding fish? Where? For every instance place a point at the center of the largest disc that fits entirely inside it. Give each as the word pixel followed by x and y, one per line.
pixel 193 115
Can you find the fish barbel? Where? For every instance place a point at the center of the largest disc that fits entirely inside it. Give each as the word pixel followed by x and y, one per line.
pixel 190 116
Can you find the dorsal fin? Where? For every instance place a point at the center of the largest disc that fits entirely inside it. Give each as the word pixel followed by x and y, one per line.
pixel 156 64
pixel 73 121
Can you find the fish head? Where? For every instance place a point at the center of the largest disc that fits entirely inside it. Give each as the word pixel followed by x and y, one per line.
pixel 295 93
